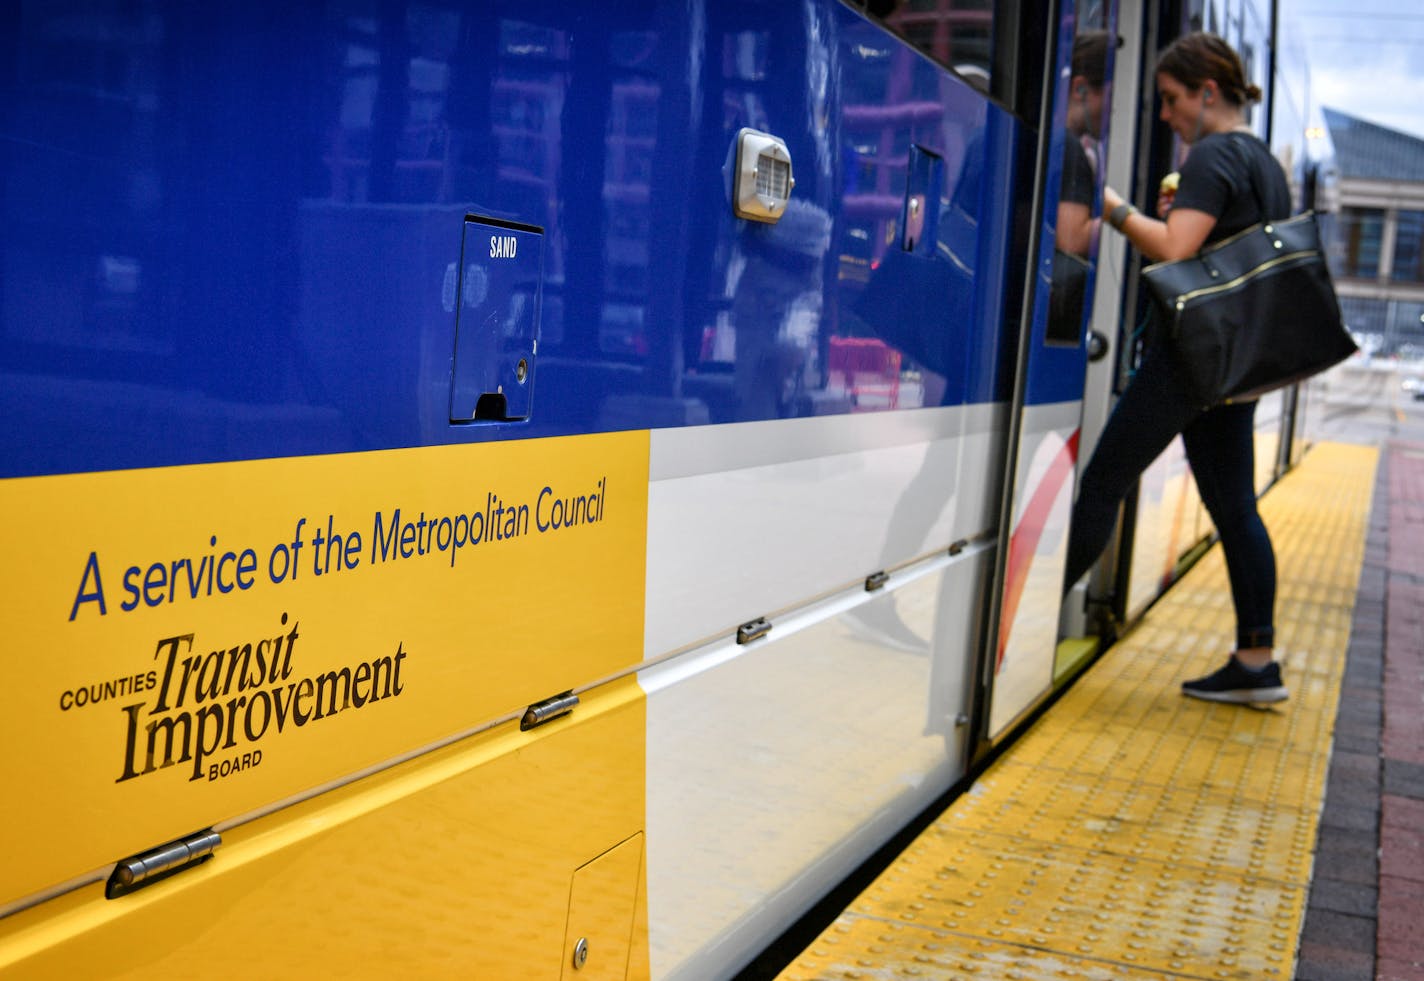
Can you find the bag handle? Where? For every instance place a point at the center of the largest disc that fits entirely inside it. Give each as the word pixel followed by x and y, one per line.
pixel 1203 254
pixel 1251 178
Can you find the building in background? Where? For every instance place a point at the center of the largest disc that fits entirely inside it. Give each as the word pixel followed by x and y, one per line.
pixel 1378 252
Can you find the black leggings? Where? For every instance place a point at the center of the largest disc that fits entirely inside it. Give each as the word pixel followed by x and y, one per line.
pixel 1219 442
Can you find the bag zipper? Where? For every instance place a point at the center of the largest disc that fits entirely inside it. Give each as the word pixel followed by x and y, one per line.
pixel 1184 298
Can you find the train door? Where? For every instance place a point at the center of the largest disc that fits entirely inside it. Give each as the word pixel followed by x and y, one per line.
pixel 1047 406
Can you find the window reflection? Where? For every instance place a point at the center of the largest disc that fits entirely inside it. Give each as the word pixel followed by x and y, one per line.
pixel 1075 229
pixel 956 33
pixel 295 179
pixel 909 239
pixel 83 204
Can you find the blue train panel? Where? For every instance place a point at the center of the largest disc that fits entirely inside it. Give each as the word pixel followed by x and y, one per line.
pixel 239 231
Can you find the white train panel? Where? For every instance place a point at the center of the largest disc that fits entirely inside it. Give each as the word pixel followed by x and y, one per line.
pixel 774 768
pixel 732 536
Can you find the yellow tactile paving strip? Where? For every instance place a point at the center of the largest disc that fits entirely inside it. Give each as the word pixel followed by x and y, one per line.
pixel 1134 833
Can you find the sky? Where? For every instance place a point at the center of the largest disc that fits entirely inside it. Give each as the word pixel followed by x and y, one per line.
pixel 1367 57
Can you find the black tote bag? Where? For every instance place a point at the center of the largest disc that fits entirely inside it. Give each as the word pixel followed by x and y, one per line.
pixel 1254 312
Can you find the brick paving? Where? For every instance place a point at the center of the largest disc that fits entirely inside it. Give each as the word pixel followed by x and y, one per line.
pixel 1365 916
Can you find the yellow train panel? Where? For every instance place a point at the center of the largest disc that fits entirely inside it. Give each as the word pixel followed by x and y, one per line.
pixel 479 860
pixel 203 642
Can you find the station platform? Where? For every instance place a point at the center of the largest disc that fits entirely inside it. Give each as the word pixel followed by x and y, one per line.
pixel 1134 833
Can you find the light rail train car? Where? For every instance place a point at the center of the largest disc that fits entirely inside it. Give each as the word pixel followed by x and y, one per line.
pixel 536 490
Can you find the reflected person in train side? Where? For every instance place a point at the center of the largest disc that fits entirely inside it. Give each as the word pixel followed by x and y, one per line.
pixel 1084 123
pixel 776 311
pixel 1204 93
pixel 1075 229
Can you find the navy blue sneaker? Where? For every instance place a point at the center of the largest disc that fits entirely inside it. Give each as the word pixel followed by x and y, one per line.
pixel 1238 683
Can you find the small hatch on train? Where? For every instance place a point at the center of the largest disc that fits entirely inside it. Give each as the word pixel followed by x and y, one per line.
pixel 496 321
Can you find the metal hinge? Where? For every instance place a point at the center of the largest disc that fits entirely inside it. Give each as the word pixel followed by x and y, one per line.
pixel 876 580
pixel 165 860
pixel 548 710
pixel 755 630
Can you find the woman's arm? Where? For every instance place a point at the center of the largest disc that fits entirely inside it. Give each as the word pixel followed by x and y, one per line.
pixel 1181 235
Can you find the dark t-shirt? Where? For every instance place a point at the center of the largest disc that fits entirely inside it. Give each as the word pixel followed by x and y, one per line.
pixel 1233 176
pixel 1078 183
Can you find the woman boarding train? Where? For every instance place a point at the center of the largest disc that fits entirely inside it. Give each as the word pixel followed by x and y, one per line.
pixel 1229 182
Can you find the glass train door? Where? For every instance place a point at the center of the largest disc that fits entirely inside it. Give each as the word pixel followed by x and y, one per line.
pixel 1046 412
